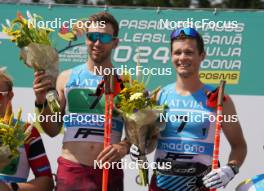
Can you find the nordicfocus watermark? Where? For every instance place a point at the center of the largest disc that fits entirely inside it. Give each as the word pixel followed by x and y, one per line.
pixel 133 71
pixel 58 23
pixel 198 118
pixel 203 24
pixel 72 118
pixel 132 165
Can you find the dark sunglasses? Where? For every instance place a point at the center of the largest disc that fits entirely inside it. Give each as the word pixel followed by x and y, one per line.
pixel 2 94
pixel 187 31
pixel 104 38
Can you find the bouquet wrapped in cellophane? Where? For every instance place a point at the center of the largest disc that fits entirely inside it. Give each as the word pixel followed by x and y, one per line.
pixel 140 113
pixel 36 50
pixel 13 133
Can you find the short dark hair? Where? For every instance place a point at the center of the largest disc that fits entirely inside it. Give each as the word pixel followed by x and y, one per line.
pixel 108 18
pixel 198 39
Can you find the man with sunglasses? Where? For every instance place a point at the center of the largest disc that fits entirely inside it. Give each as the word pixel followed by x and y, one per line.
pixel 13 176
pixel 187 143
pixel 83 141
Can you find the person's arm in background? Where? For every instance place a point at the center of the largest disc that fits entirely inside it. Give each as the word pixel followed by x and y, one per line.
pixel 40 87
pixel 43 183
pixel 38 184
pixel 39 163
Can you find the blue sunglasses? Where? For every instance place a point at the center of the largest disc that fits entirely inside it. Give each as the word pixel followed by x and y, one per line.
pixel 104 38
pixel 187 31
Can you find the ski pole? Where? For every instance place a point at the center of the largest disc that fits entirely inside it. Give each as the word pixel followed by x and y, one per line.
pixel 109 97
pixel 218 126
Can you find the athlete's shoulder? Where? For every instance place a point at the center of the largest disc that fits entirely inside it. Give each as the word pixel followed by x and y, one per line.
pixel 64 76
pixel 162 94
pixel 79 67
pixel 168 88
pixel 66 73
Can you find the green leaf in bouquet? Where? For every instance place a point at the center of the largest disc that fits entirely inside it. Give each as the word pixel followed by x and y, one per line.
pixel 11 168
pixel 23 31
pixel 12 135
pixel 18 118
pixel 11 119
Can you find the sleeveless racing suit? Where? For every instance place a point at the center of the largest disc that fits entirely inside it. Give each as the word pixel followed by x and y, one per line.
pixel 85 122
pixel 186 143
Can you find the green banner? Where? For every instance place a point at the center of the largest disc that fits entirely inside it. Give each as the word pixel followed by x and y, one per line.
pixel 232 40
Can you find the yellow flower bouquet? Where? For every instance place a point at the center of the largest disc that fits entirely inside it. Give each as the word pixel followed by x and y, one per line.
pixel 35 49
pixel 140 112
pixel 12 135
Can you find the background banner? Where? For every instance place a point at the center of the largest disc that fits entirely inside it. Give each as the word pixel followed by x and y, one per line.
pixel 232 40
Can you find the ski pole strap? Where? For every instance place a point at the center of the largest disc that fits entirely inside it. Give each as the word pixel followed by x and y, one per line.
pixel 212 97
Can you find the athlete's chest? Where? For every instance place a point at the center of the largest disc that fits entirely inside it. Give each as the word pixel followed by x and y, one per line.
pixel 187 116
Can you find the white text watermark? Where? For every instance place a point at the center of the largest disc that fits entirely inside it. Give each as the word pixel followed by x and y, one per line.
pixel 203 24
pixel 58 23
pixel 67 118
pixel 198 118
pixel 132 165
pixel 138 70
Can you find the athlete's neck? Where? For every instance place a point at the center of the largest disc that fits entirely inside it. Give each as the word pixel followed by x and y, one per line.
pixel 95 67
pixel 189 85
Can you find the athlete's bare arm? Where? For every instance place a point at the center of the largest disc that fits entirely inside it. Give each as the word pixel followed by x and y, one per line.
pixel 234 134
pixel 40 86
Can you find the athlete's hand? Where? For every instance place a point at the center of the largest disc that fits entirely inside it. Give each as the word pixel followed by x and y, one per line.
pixel 40 86
pixel 134 152
pixel 112 153
pixel 219 177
